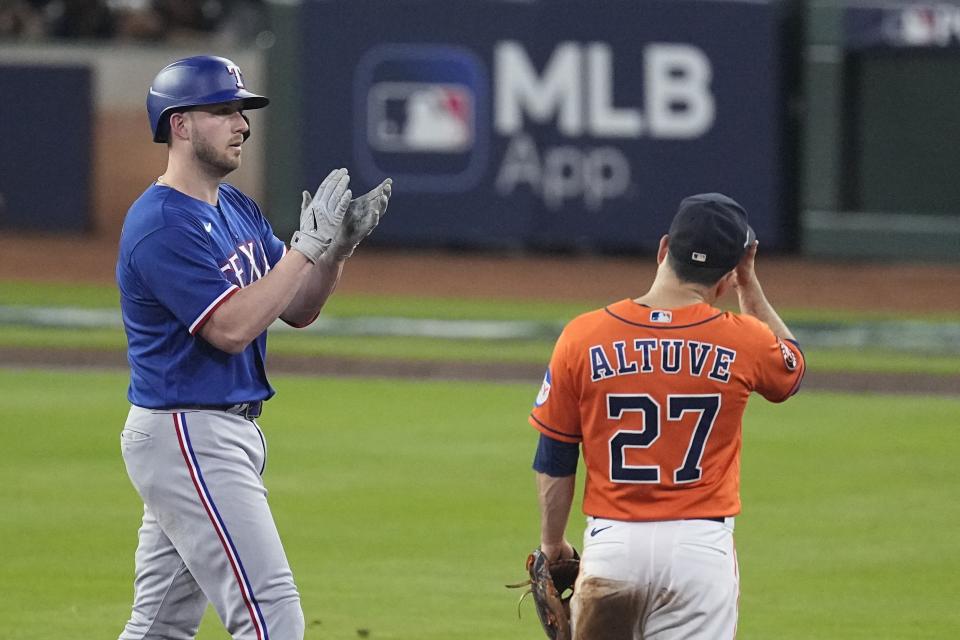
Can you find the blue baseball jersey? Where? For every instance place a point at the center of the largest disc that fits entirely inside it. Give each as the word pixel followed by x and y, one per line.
pixel 180 258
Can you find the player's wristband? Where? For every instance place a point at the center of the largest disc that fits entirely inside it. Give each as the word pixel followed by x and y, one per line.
pixel 310 245
pixel 555 458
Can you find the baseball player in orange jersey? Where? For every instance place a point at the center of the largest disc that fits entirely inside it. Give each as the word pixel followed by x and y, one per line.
pixel 654 390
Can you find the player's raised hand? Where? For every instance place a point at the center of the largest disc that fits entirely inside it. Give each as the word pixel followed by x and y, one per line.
pixel 362 217
pixel 746 277
pixel 749 292
pixel 329 204
pixel 321 215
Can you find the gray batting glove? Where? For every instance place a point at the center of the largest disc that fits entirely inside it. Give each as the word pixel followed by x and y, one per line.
pixel 363 215
pixel 322 215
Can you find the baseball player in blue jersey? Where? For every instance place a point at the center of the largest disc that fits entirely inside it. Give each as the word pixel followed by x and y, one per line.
pixel 201 277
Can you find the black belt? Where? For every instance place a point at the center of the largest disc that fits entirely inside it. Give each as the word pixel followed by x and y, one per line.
pixel 247 410
pixel 711 519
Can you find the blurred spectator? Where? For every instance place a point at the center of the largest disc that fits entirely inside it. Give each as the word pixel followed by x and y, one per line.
pixel 242 21
pixel 137 20
pixel 79 19
pixel 22 18
pixel 226 22
pixel 187 18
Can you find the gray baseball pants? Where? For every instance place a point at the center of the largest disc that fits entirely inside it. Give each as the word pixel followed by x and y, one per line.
pixel 208 534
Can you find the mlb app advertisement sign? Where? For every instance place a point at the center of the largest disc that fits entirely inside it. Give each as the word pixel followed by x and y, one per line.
pixel 553 124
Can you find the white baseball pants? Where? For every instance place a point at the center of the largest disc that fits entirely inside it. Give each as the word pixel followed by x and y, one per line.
pixel 670 580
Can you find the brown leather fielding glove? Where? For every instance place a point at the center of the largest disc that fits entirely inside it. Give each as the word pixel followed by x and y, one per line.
pixel 548 582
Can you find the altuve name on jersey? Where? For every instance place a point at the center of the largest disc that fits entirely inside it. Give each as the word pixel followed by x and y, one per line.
pixel 664 356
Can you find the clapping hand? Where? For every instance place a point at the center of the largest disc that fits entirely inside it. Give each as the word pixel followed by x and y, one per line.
pixel 362 216
pixel 322 215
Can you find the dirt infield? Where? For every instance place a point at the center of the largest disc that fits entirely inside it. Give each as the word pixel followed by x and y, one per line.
pixel 789 282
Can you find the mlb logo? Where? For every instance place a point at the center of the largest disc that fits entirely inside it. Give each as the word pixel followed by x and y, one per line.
pixel 917 26
pixel 422 117
pixel 663 317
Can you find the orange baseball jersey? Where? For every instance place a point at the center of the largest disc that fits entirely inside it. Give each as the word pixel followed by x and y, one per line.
pixel 656 397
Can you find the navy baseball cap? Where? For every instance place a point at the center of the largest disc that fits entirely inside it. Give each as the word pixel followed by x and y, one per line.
pixel 710 230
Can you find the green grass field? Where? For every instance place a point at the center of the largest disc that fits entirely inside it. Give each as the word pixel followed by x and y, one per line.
pixel 13 292
pixel 533 350
pixel 405 506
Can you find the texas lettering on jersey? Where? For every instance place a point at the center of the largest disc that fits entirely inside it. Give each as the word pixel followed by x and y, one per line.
pixel 656 397
pixel 247 265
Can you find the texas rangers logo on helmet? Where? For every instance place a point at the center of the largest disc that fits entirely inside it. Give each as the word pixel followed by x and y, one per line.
pixel 234 70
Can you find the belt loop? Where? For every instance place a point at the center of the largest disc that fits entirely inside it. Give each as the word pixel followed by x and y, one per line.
pixel 252 410
pixel 248 410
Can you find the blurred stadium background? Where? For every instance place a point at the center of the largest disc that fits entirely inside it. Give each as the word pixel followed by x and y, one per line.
pixel 831 120
pixel 539 149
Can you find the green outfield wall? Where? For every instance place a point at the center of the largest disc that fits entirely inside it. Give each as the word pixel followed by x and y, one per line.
pixel 879 152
